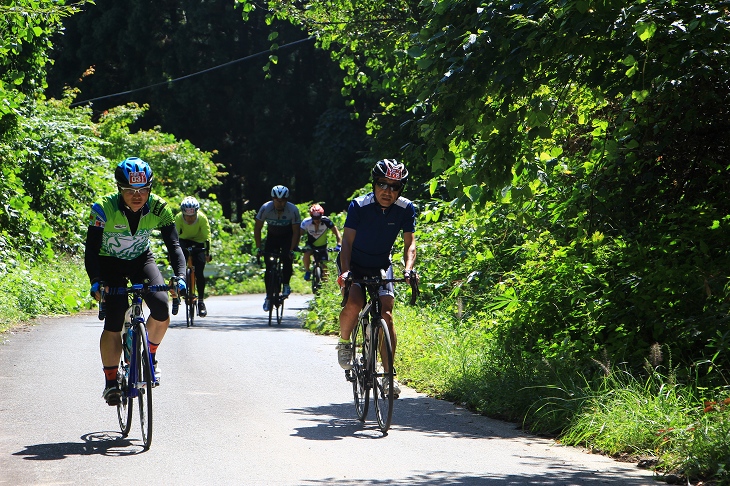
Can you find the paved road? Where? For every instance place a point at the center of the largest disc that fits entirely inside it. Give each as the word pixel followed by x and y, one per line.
pixel 244 403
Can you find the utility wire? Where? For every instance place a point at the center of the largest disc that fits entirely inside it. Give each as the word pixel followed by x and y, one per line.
pixel 189 75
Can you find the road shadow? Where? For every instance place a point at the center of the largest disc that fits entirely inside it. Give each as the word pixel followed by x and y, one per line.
pixel 240 323
pixel 453 478
pixel 437 418
pixel 94 443
pixel 422 414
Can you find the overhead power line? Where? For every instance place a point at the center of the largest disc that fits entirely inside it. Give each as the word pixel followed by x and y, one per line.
pixel 291 44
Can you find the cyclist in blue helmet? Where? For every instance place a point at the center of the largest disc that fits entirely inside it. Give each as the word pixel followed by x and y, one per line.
pixel 282 234
pixel 118 251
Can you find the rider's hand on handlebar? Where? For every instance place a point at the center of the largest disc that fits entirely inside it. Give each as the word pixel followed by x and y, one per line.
pixel 178 286
pixel 411 276
pixel 343 277
pixel 95 290
pixel 208 258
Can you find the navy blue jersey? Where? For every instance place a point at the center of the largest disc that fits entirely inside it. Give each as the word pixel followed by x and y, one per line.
pixel 377 228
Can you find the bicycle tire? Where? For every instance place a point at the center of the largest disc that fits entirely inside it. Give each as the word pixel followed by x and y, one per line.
pixel 360 385
pixel 280 311
pixel 144 386
pixel 125 408
pixel 382 380
pixel 316 278
pixel 190 297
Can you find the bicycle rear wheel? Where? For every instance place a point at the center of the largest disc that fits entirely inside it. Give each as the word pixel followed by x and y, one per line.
pixel 382 380
pixel 360 385
pixel 124 409
pixel 144 386
pixel 190 297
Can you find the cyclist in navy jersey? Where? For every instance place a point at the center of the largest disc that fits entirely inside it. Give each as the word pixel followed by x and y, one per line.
pixel 373 223
pixel 282 235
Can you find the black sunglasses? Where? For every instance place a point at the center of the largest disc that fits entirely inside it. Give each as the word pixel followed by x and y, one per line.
pixel 393 187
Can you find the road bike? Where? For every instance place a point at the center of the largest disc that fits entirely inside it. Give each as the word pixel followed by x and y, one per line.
pixel 319 266
pixel 136 373
pixel 373 350
pixel 275 282
pixel 191 297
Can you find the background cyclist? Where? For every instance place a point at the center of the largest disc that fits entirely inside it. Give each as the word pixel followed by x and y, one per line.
pixel 193 227
pixel 282 235
pixel 315 227
pixel 118 248
pixel 372 225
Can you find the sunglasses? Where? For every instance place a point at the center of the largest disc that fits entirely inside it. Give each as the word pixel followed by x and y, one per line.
pixel 385 186
pixel 128 191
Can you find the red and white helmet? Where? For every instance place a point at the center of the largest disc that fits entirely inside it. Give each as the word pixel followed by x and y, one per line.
pixel 316 211
pixel 390 169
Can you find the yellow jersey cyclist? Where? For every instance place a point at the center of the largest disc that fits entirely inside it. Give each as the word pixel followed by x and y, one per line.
pixel 282 235
pixel 118 249
pixel 193 228
pixel 315 227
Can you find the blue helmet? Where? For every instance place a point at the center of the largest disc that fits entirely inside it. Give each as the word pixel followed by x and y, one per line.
pixel 133 172
pixel 189 206
pixel 280 192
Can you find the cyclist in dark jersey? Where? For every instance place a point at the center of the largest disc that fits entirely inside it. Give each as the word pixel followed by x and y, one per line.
pixel 282 235
pixel 373 223
pixel 118 249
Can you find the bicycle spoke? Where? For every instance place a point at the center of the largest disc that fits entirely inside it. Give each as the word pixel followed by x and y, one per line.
pixel 359 373
pixel 144 384
pixel 124 409
pixel 383 380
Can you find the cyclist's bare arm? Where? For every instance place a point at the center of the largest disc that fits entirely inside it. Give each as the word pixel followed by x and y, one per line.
pixel 346 250
pixel 295 236
pixel 337 235
pixel 409 252
pixel 258 225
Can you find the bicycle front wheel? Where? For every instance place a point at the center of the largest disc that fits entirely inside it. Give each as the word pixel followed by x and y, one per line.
pixel 383 380
pixel 280 311
pixel 316 278
pixel 190 297
pixel 360 385
pixel 124 409
pixel 144 387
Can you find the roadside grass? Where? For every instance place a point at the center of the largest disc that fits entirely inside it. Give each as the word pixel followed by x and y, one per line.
pixel 60 287
pixel 682 430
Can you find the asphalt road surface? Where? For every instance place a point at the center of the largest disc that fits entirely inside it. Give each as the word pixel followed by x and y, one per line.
pixel 244 403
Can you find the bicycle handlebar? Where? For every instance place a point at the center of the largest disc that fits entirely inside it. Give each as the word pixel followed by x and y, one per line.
pixel 142 288
pixel 381 282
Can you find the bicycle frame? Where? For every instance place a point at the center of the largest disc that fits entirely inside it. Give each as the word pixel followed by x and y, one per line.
pixel 136 375
pixel 365 375
pixel 275 267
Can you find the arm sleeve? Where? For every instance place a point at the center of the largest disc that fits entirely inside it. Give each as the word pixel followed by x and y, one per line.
pixel 205 229
pixel 94 237
pixel 174 252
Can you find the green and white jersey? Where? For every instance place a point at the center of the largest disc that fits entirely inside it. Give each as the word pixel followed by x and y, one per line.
pixel 118 240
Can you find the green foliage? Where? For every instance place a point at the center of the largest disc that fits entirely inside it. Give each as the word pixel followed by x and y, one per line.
pixel 55 288
pixel 24 47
